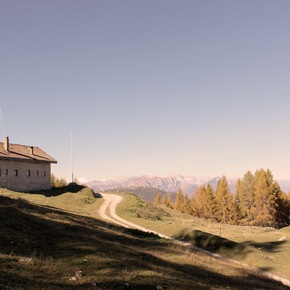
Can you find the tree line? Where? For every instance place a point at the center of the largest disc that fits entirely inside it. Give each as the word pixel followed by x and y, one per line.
pixel 57 182
pixel 258 200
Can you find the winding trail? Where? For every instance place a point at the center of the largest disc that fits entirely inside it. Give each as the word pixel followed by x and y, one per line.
pixel 110 204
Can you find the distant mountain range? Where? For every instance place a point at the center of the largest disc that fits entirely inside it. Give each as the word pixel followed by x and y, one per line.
pixel 167 184
pixel 146 192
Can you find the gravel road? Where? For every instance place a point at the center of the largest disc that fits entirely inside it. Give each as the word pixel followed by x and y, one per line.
pixel 109 207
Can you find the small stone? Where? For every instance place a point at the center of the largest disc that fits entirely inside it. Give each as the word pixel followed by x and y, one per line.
pixel 86 260
pixel 78 274
pixel 73 279
pixel 159 287
pixel 93 284
pixel 12 243
pixel 127 285
pixel 25 260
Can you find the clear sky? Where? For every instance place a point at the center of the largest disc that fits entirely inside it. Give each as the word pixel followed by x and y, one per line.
pixel 162 87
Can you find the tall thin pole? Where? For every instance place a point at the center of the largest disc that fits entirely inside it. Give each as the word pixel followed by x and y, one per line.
pixel 71 157
pixel 2 124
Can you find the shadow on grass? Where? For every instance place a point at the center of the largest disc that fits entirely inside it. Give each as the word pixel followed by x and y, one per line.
pixel 267 246
pixel 56 191
pixel 224 246
pixel 113 254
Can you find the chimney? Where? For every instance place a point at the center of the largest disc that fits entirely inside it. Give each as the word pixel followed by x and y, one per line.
pixel 30 150
pixel 6 144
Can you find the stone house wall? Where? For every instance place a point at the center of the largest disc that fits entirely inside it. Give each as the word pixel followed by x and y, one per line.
pixel 24 176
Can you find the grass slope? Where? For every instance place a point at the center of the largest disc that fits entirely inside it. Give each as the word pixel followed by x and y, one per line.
pixel 46 237
pixel 265 248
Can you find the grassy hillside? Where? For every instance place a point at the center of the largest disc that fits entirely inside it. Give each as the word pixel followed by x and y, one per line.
pixel 146 192
pixel 265 248
pixel 54 240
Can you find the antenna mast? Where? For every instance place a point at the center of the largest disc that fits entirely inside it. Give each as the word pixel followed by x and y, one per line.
pixel 71 157
pixel 2 124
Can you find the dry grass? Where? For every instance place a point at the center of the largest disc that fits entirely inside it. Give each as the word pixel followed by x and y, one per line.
pixel 256 246
pixel 43 245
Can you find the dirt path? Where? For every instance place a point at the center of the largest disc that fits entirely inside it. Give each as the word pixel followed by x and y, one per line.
pixel 109 206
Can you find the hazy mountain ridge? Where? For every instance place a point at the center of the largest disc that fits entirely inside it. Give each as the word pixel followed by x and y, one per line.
pixel 168 184
pixel 146 192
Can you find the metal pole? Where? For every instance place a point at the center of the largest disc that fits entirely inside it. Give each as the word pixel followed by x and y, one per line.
pixel 2 124
pixel 71 156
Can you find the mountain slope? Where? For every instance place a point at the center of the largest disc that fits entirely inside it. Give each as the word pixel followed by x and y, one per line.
pixel 166 184
pixel 48 247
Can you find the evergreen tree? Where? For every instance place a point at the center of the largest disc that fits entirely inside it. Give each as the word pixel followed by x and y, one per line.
pixel 210 206
pixel 57 182
pixel 264 201
pixel 226 210
pixel 246 198
pixel 238 197
pixel 62 182
pixel 187 205
pixel 52 179
pixel 197 203
pixel 282 207
pixel 157 200
pixel 178 205
pixel 165 200
pixel 169 203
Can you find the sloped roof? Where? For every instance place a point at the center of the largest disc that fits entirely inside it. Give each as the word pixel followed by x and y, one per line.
pixel 22 153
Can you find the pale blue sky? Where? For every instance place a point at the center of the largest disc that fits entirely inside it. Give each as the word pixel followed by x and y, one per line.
pixel 192 87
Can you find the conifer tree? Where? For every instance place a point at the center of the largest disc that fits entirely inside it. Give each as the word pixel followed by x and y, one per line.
pixel 238 196
pixel 62 182
pixel 264 201
pixel 246 198
pixel 165 200
pixel 226 211
pixel 52 179
pixel 187 205
pixel 210 206
pixel 169 202
pixel 197 203
pixel 178 205
pixel 282 207
pixel 157 200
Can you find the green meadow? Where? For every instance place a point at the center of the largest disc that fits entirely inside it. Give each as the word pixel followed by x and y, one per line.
pixel 266 248
pixel 55 240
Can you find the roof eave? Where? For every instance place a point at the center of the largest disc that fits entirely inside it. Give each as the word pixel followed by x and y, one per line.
pixel 28 160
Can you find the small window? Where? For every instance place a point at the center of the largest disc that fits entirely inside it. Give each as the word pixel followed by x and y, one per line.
pixel 0 172
pixel 37 173
pixel 44 174
pixel 6 171
pixel 15 172
pixel 28 173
